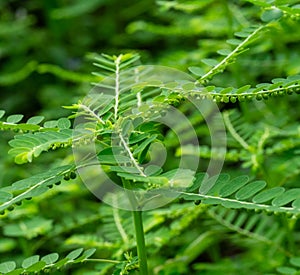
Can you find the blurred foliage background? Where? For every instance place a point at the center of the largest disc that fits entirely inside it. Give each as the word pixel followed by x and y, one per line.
pixel 46 48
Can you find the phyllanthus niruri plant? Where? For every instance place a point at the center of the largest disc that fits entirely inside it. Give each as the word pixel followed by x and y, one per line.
pixel 136 146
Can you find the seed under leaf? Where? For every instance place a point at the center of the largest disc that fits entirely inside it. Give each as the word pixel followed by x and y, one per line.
pixel 197 202
pixel 73 175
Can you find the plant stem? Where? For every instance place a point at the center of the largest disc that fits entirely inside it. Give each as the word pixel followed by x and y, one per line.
pixel 140 242
pixel 139 229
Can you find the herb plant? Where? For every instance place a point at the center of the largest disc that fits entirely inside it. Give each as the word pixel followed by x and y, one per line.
pixel 149 142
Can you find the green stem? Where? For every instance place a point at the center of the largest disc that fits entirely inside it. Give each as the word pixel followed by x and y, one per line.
pixel 139 229
pixel 140 242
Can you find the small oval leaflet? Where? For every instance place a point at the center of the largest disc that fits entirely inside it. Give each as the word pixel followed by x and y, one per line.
pixel 30 261
pixel 267 195
pixel 7 266
pixel 14 118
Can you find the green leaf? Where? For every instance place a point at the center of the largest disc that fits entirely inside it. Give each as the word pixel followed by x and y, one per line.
pixel 14 118
pixel 212 185
pixel 233 185
pixel 30 261
pixel 210 62
pixel 35 120
pixel 7 266
pixel 86 254
pixel 196 71
pixel 268 195
pixel 63 123
pixel 2 112
pixel 50 124
pixel 28 228
pixel 50 258
pixel 250 190
pixel 271 15
pixel 224 52
pixel 295 261
pixel 144 144
pixel 74 254
pixel 4 196
pixel 286 270
pixel 286 197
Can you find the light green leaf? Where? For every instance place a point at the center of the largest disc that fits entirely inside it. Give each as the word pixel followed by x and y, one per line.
pixel 30 261
pixel 233 185
pixel 35 120
pixel 74 254
pixel 7 266
pixel 50 258
pixel 268 194
pixel 14 118
pixel 250 190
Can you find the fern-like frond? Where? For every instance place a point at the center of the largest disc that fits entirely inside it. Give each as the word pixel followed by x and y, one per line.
pixel 249 34
pixel 259 226
pixel 50 262
pixel 13 123
pixel 276 9
pixel 239 193
pixel 31 187
pixel 263 91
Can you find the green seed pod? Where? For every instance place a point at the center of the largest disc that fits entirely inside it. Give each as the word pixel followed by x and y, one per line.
pixel 67 177
pixel 73 175
pixel 197 202
pixel 259 97
pixel 233 99
pixel 11 208
pixel 58 183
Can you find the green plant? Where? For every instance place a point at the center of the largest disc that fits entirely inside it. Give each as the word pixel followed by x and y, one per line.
pixel 115 129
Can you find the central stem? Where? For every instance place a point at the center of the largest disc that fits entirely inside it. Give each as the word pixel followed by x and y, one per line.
pixel 140 242
pixel 139 229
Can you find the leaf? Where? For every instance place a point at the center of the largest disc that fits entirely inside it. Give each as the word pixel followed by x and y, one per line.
pixel 250 190
pixel 286 197
pixel 50 124
pixel 295 261
pixel 50 258
pixel 74 254
pixel 198 71
pixel 210 62
pixel 286 270
pixel 30 145
pixel 7 266
pixel 30 261
pixel 35 120
pixel 232 186
pixel 63 123
pixel 86 254
pixel 28 228
pixel 267 195
pixel 224 52
pixel 144 144
pixel 275 200
pixel 212 185
pixel 14 118
pixel 2 112
pixel 4 196
pixel 271 15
